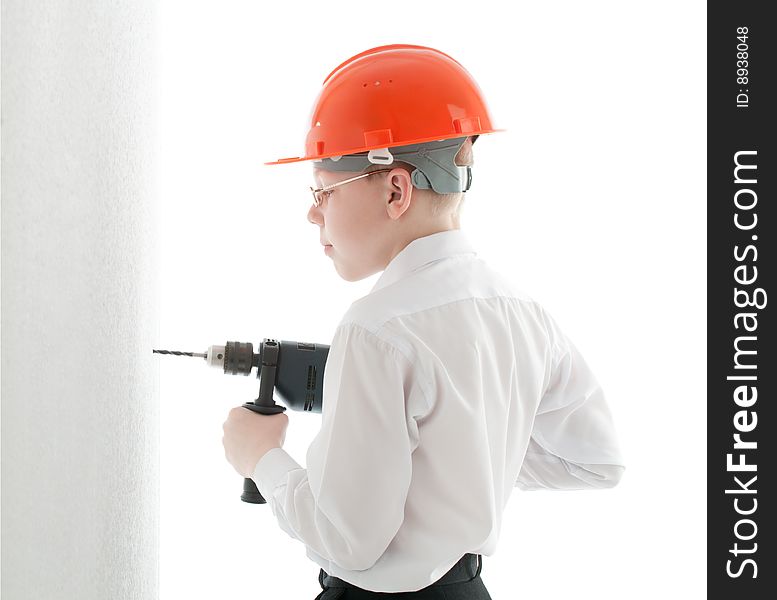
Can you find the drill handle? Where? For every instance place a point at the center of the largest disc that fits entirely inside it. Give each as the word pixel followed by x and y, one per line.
pixel 250 491
pixel 299 383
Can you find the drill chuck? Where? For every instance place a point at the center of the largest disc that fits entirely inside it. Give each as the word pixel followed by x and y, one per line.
pixel 236 358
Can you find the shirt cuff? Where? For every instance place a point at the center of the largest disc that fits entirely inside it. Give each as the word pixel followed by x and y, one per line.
pixel 271 469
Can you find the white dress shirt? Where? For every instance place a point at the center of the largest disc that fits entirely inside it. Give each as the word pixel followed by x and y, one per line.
pixel 444 389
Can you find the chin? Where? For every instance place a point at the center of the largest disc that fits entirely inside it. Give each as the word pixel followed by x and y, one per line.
pixel 351 275
pixel 348 276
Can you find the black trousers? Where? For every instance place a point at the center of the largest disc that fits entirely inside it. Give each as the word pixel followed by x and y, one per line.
pixel 461 582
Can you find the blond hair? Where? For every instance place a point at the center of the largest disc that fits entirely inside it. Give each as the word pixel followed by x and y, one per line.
pixel 440 203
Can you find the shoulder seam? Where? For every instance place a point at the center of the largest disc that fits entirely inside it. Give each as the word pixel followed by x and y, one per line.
pixel 406 351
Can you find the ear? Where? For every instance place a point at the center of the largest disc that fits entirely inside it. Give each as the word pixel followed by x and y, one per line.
pixel 400 192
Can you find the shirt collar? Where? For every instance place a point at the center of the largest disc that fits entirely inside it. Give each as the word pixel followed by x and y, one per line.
pixel 422 251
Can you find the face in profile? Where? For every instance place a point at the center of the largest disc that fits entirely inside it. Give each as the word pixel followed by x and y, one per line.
pixel 351 218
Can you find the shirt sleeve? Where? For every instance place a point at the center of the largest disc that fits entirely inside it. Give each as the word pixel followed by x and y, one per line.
pixel 348 504
pixel 573 442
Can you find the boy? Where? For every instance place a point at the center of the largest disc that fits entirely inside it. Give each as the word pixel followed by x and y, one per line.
pixel 444 387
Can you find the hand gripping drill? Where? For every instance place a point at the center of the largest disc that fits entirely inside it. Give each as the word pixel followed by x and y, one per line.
pixel 295 369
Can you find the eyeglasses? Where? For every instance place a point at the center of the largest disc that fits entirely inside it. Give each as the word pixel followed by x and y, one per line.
pixel 318 194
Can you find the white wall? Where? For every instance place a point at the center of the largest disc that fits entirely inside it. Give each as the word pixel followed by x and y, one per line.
pixel 80 415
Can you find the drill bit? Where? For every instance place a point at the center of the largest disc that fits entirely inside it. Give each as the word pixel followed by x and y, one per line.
pixel 177 353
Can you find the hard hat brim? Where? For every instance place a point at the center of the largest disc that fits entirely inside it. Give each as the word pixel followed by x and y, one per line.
pixel 294 159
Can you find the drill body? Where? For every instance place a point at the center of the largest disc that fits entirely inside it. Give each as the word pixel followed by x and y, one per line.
pixel 294 369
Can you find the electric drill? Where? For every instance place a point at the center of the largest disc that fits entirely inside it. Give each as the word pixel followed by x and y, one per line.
pixel 296 369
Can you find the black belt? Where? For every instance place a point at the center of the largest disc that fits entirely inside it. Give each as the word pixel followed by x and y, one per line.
pixel 466 569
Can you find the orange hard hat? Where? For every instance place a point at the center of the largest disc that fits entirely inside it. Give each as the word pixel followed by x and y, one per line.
pixel 393 96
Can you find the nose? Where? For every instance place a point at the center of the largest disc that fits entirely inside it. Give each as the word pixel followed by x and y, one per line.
pixel 314 215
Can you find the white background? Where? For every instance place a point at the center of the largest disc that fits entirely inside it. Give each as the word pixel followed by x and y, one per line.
pixel 593 201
